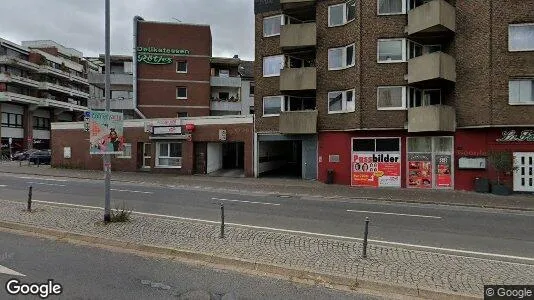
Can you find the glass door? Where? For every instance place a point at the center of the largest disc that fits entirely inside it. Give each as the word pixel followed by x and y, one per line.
pixel 430 162
pixel 147 155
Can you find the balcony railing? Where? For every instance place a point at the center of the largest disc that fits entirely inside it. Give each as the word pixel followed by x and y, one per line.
pixel 437 65
pixel 432 17
pixel 62 89
pixel 116 79
pixel 4 77
pixel 432 118
pixel 19 98
pixel 15 61
pixel 298 122
pixel 293 36
pixel 44 69
pixel 298 79
pixel 100 103
pixel 218 81
pixel 61 104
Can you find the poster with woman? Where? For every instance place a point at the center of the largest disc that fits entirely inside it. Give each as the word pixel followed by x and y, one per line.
pixel 106 132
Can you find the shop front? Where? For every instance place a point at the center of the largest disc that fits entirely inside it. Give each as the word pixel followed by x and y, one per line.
pixel 429 161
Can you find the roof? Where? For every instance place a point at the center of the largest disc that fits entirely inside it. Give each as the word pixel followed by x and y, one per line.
pixel 52 44
pixel 225 61
pixel 246 69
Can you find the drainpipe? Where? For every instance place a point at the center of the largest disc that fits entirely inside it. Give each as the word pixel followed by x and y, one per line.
pixel 136 19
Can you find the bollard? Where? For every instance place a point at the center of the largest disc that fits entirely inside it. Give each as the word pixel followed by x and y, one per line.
pixel 38 162
pixel 222 222
pixel 30 199
pixel 365 233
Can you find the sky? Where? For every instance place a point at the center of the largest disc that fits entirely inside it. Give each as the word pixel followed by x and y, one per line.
pixel 79 24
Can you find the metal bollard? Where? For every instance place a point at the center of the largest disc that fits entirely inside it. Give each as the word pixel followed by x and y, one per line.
pixel 30 199
pixel 365 233
pixel 222 222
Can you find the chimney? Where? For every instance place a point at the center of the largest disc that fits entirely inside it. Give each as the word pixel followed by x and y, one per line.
pixel 236 56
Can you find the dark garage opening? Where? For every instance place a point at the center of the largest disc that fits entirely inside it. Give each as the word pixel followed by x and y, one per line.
pixel 233 156
pixel 281 159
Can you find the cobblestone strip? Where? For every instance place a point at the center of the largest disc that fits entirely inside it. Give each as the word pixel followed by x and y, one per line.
pixel 406 267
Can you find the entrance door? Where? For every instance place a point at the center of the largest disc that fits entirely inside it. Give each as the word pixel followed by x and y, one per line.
pixel 430 162
pixel 309 159
pixel 200 166
pixel 147 155
pixel 524 173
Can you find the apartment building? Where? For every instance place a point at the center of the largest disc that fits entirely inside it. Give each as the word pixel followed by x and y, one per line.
pixel 40 82
pixel 395 93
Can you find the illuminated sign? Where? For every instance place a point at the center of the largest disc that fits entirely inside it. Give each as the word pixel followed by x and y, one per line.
pixel 154 59
pixel 158 56
pixel 512 136
pixel 162 51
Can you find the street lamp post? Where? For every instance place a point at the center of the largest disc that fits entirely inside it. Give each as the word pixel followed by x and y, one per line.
pixel 107 157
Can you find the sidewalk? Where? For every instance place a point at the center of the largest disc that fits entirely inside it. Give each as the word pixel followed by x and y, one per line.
pixel 334 261
pixel 294 187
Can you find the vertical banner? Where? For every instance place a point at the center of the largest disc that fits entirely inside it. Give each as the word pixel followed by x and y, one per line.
pixel 375 169
pixel 106 134
pixel 443 170
pixel 420 170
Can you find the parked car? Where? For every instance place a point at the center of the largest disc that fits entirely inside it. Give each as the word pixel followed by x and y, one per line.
pixel 42 157
pixel 24 155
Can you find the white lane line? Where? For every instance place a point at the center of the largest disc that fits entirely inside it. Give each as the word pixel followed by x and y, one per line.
pixel 49 184
pixel 45 179
pixel 3 185
pixel 245 201
pixel 491 256
pixel 8 271
pixel 388 213
pixel 130 191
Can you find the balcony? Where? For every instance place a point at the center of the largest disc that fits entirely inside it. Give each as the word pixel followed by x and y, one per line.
pixel 61 104
pixel 79 79
pixel 217 81
pixel 433 66
pixel 298 122
pixel 119 104
pixel 19 98
pixel 4 77
pixel 18 62
pixel 99 80
pixel 436 16
pixel 294 36
pixel 62 89
pixel 296 4
pixel 432 118
pixel 44 69
pixel 298 79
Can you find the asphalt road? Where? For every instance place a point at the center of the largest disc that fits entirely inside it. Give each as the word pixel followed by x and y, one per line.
pixel 472 229
pixel 93 273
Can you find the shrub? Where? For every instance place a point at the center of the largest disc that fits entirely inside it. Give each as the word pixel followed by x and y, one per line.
pixel 121 214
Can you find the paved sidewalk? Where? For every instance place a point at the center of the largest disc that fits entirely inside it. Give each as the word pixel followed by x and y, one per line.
pixel 291 187
pixel 424 271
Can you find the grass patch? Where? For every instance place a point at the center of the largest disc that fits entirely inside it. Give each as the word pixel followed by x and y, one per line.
pixel 121 214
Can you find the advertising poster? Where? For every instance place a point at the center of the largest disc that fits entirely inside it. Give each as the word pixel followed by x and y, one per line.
pixel 106 133
pixel 443 171
pixel 420 170
pixel 376 169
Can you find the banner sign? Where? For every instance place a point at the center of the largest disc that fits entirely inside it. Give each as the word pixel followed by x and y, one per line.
pixel 443 171
pixel 420 170
pixel 167 130
pixel 375 169
pixel 160 122
pixel 106 133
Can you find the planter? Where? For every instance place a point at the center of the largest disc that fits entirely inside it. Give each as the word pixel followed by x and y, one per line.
pixel 482 185
pixel 501 190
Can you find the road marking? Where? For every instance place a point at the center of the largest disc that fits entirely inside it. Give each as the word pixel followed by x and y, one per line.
pixel 49 184
pixel 423 247
pixel 396 214
pixel 130 191
pixel 45 179
pixel 4 270
pixel 3 185
pixel 245 201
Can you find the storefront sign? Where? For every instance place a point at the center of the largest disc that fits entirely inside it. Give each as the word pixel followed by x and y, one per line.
pixel 511 136
pixel 167 130
pixel 376 169
pixel 67 153
pixel 162 51
pixel 472 163
pixel 160 122
pixel 154 59
pixel 420 170
pixel 443 170
pixel 106 133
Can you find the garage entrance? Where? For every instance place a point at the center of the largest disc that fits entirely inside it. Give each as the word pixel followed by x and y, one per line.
pixel 226 159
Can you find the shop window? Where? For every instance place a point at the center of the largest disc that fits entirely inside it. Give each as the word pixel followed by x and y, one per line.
pixel 387 145
pixel 12 120
pixel 181 66
pixel 521 37
pixel 127 152
pixel 169 155
pixel 341 58
pixel 341 101
pixel 420 144
pixel 521 92
pixel 391 98
pixel 363 145
pixel 272 65
pixel 181 93
pixel 341 14
pixel 41 123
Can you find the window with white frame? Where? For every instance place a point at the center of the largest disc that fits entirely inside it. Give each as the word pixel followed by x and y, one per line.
pixel 391 50
pixel 341 101
pixel 181 93
pixel 224 73
pixel 272 25
pixel 127 153
pixel 181 66
pixel 341 14
pixel 521 37
pixel 419 97
pixel 169 154
pixel 391 97
pixel 391 7
pixel 272 65
pixel 272 105
pixel 521 92
pixel 341 58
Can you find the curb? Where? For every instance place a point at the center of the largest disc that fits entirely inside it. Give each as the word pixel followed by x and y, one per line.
pixel 317 196
pixel 301 276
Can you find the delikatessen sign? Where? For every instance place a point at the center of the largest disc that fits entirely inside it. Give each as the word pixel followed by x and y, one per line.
pixel 158 56
pixel 512 136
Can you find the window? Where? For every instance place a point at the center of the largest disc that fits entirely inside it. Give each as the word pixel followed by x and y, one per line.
pixel 181 66
pixel 521 92
pixel 169 155
pixel 417 97
pixel 341 58
pixel 298 103
pixel 391 98
pixel 341 14
pixel 341 101
pixel 41 123
pixel 224 73
pixel 181 93
pixel 251 89
pixel 391 7
pixel 521 37
pixel 182 114
pixel 272 65
pixel 271 25
pixel 11 120
pixel 272 105
pixel 127 153
pixel 224 95
pixel 391 50
pixel 376 145
pixel 128 67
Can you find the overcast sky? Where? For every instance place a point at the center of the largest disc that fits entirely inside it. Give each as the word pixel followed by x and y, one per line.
pixel 79 24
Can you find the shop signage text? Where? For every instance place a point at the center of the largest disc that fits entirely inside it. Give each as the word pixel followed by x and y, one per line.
pixel 154 59
pixel 162 50
pixel 158 56
pixel 512 136
pixel 167 130
pixel 376 169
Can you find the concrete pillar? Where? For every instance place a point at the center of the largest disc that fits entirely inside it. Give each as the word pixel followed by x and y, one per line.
pixel 27 122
